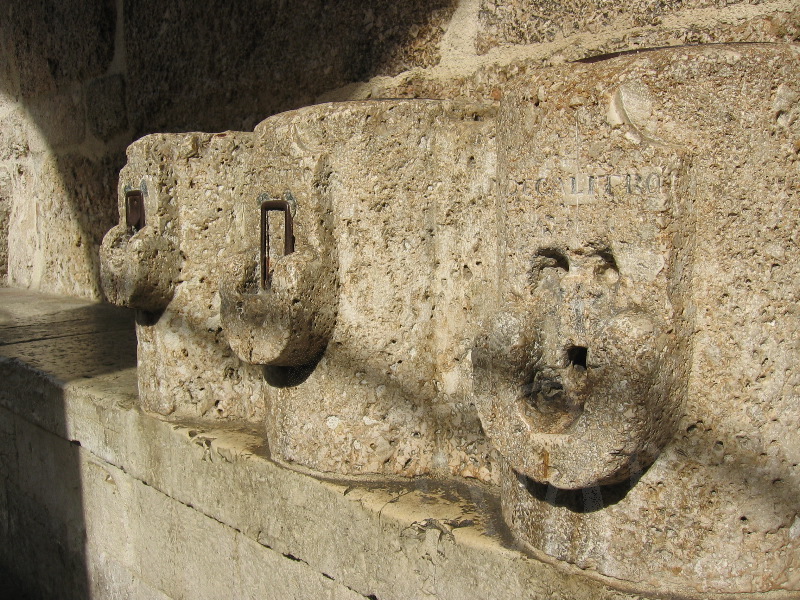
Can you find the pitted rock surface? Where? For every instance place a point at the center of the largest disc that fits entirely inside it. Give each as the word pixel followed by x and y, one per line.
pixel 394 243
pixel 585 295
pixel 711 266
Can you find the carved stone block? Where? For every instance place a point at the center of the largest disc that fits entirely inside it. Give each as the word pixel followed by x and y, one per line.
pixel 639 370
pixel 588 298
pixel 354 349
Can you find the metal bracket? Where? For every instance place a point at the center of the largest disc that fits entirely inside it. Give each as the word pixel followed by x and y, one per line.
pixel 288 235
pixel 134 210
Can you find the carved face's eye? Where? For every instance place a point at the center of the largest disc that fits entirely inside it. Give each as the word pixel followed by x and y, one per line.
pixel 548 263
pixel 606 266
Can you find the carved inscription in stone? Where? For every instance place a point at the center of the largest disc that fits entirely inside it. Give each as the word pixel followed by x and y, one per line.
pixel 581 184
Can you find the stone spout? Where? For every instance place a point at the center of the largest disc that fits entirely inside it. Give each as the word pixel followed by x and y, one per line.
pixel 138 259
pixel 287 324
pixel 281 310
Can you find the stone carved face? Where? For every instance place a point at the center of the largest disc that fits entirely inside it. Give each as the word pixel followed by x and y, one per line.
pixel 715 394
pixel 574 374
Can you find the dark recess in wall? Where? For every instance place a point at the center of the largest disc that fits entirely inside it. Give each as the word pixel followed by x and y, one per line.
pixel 219 65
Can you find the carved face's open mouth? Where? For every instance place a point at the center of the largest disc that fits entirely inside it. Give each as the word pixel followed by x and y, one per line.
pixel 548 403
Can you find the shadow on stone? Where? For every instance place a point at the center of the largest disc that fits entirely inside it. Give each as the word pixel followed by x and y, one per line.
pixel 586 500
pixel 45 344
pixel 144 67
pixel 285 377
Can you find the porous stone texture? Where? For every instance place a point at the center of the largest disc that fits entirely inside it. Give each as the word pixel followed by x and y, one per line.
pixel 46 62
pixel 701 275
pixel 141 266
pixel 645 23
pixel 58 181
pixel 409 187
pixel 79 82
pixel 84 81
pixel 99 500
pixel 5 205
pixel 109 115
pixel 394 190
pixel 490 45
pixel 190 225
pixel 55 221
pixel 580 373
pixel 565 288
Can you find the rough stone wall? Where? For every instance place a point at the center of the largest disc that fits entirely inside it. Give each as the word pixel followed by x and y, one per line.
pixel 410 252
pixel 490 43
pixel 639 23
pixel 572 266
pixel 58 158
pixel 80 81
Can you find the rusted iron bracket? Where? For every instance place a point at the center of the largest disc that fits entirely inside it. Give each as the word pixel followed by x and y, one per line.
pixel 134 210
pixel 288 235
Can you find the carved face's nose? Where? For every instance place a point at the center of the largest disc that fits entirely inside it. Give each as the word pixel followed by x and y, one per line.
pixel 573 293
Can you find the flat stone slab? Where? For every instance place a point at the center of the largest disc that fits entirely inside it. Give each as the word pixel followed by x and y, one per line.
pixel 66 338
pixel 152 509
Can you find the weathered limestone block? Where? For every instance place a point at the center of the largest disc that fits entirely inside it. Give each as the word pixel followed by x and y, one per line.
pixel 409 188
pixel 579 378
pixel 139 259
pixel 656 200
pixel 49 62
pixel 283 312
pixel 57 219
pixel 108 117
pixel 59 118
pixel 258 59
pixel 6 183
pixel 185 367
pixel 365 327
pixel 289 324
pixel 598 283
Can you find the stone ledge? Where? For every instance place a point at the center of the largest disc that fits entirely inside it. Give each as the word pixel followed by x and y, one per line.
pixel 152 509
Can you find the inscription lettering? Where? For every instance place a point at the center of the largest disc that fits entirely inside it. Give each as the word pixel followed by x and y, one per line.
pixel 612 184
pixel 654 183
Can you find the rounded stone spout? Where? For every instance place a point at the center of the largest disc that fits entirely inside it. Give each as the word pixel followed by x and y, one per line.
pixel 287 323
pixel 280 310
pixel 138 258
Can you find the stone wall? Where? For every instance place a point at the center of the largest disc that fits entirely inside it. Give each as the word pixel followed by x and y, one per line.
pixel 80 81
